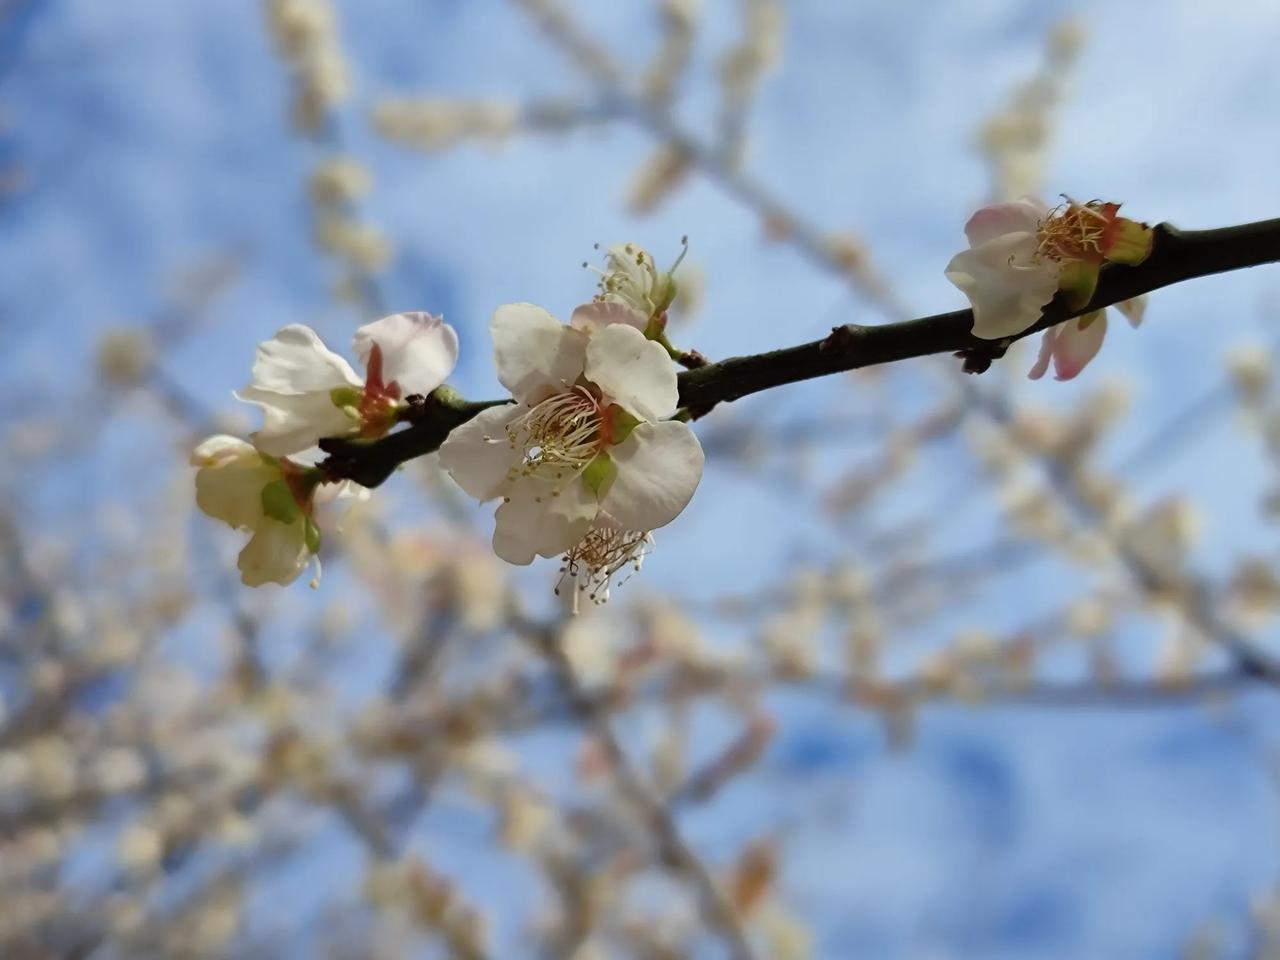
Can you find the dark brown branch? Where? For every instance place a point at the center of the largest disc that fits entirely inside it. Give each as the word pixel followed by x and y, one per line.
pixel 1176 256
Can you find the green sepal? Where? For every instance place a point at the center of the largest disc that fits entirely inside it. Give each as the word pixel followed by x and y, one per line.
pixel 1077 282
pixel 620 423
pixel 599 475
pixel 1131 242
pixel 668 297
pixel 278 502
pixel 344 397
pixel 311 533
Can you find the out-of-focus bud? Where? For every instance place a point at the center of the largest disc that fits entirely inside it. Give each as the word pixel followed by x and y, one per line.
pixel 298 26
pixel 1066 41
pixel 664 171
pixel 139 848
pixel 117 770
pixel 440 124
pixel 124 356
pixel 340 180
pixel 1250 370
pixel 362 244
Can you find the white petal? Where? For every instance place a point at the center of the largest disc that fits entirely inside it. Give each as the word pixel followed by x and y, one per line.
pixel 293 422
pixel 419 351
pixel 276 553
pixel 598 314
pixel 232 491
pixel 659 467
pixel 989 222
pixel 534 353
pixel 1006 287
pixel 634 372
pixel 337 500
pixel 1074 347
pixel 534 523
pixel 296 361
pixel 1134 310
pixel 477 453
pixel 221 448
pixel 342 490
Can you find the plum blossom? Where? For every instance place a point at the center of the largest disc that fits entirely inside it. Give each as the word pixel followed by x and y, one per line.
pixel 306 391
pixel 1071 345
pixel 272 498
pixel 632 291
pixel 586 443
pixel 1021 254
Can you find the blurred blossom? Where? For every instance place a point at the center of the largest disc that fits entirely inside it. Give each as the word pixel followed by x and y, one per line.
pixel 32 437
pixel 118 769
pixel 587 643
pixel 1250 370
pixel 440 124
pixel 664 171
pixel 15 773
pixel 1163 536
pixel 124 356
pixel 139 848
pixel 340 180
pixel 364 244
pixel 53 768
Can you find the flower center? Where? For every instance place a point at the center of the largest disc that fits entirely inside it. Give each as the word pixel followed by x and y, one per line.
pixel 1077 231
pixel 599 557
pixel 559 436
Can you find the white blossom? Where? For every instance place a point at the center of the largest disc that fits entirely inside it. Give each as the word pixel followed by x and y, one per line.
pixel 632 290
pixel 271 498
pixel 307 392
pixel 587 438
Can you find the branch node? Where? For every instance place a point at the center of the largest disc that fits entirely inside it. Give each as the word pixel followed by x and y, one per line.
pixel 840 338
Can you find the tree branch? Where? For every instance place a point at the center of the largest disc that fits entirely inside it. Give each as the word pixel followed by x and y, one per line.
pixel 1177 255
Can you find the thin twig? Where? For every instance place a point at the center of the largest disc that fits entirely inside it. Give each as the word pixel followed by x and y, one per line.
pixel 593 715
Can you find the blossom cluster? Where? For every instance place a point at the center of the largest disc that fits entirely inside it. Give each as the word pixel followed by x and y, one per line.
pixel 588 458
pixel 592 453
pixel 307 392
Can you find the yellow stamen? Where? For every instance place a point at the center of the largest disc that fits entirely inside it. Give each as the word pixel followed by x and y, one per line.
pixel 558 437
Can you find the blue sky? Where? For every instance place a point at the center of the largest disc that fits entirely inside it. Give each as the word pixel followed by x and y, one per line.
pixel 152 135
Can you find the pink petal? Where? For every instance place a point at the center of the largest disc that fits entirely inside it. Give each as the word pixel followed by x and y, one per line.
pixel 419 351
pixel 1075 347
pixel 598 314
pixel 1046 352
pixel 992 221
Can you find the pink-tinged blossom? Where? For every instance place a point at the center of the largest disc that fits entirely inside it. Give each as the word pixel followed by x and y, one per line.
pixel 586 439
pixel 307 392
pixel 1022 254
